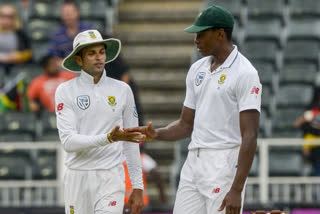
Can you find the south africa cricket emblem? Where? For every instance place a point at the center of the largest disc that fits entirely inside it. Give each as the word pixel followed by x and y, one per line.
pixel 199 78
pixel 92 35
pixel 222 79
pixel 112 101
pixel 71 209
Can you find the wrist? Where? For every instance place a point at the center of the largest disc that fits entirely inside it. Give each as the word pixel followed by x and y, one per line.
pixel 138 190
pixel 236 188
pixel 109 138
pixel 156 133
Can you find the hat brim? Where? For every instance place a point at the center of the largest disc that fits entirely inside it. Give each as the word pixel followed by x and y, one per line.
pixel 196 29
pixel 113 47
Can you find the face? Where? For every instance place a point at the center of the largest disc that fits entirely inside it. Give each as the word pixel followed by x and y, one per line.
pixel 92 59
pixel 53 67
pixel 7 17
pixel 69 14
pixel 209 41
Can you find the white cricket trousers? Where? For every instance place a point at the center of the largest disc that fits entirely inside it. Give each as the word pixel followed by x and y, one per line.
pixel 206 177
pixel 94 191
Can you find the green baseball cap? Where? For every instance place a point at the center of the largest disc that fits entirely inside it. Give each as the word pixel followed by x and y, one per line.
pixel 211 17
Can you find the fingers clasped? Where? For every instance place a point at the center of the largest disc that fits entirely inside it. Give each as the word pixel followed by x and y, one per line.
pixel 122 135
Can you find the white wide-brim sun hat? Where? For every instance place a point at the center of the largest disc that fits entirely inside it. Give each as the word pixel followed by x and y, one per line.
pixel 90 37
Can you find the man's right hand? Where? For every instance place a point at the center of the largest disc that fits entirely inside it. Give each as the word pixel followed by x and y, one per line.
pixel 148 131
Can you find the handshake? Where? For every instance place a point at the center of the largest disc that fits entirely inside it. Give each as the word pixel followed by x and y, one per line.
pixel 135 135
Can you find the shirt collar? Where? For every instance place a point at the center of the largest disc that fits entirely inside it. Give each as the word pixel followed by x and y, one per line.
pixel 231 58
pixel 228 62
pixel 87 78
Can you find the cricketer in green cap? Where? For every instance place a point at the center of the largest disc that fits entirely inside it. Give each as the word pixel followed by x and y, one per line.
pixel 211 17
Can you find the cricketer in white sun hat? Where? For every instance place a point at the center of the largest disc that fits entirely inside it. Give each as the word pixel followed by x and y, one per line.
pixel 86 38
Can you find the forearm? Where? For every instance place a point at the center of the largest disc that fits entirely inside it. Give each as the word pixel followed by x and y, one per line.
pixel 132 153
pixel 22 56
pixel 177 130
pixel 245 159
pixel 77 142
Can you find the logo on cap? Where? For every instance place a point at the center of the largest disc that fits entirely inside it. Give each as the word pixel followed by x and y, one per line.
pixel 92 35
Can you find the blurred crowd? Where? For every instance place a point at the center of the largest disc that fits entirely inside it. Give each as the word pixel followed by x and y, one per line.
pixel 37 94
pixel 20 93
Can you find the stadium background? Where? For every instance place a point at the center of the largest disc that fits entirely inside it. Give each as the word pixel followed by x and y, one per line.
pixel 280 37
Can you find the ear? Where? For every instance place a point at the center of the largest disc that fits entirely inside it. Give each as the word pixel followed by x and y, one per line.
pixel 221 34
pixel 78 60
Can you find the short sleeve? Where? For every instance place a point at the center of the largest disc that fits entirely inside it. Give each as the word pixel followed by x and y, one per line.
pixel 248 92
pixel 190 100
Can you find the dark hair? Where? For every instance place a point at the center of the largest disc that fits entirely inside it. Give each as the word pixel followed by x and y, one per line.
pixel 44 61
pixel 228 32
pixel 79 53
pixel 71 2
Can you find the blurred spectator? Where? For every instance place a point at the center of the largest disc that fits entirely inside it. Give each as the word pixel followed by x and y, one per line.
pixel 24 10
pixel 61 41
pixel 149 167
pixel 118 69
pixel 309 122
pixel 41 90
pixel 14 44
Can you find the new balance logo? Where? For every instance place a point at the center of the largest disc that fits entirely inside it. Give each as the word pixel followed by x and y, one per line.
pixel 255 90
pixel 216 190
pixel 112 203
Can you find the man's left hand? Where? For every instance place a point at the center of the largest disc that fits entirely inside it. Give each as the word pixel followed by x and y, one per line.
pixel 135 202
pixel 119 135
pixel 232 202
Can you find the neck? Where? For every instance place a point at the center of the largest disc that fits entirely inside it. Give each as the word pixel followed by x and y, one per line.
pixel 96 78
pixel 96 75
pixel 223 54
pixel 72 28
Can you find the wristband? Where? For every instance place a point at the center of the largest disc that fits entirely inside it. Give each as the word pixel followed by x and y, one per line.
pixel 109 138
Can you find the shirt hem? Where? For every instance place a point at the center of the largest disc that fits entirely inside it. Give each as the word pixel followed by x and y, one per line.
pixel 189 106
pixel 249 107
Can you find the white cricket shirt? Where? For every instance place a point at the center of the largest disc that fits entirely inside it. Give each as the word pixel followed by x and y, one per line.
pixel 86 112
pixel 218 97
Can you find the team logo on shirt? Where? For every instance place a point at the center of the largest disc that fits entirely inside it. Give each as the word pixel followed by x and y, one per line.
pixel 255 90
pixel 222 79
pixel 112 203
pixel 112 101
pixel 216 190
pixel 71 209
pixel 200 77
pixel 92 35
pixel 83 102
pixel 135 113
